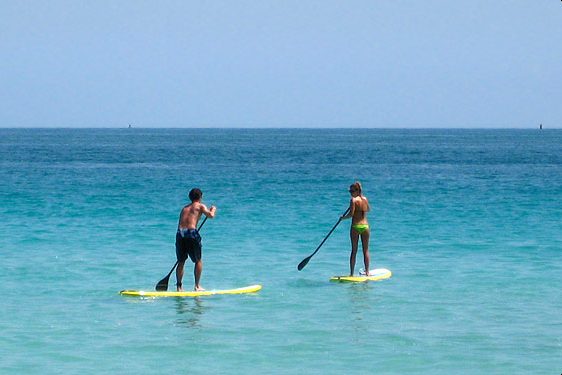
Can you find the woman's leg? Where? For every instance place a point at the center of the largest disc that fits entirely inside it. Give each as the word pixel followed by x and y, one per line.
pixel 354 236
pixel 365 236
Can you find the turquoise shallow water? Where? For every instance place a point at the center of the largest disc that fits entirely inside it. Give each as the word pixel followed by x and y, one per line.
pixel 469 221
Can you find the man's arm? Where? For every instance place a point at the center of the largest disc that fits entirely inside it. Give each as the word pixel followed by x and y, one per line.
pixel 209 213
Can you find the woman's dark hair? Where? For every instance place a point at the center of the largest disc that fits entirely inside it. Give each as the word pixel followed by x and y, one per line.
pixel 356 186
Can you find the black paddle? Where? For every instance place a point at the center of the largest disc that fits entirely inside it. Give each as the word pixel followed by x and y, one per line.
pixel 163 284
pixel 307 259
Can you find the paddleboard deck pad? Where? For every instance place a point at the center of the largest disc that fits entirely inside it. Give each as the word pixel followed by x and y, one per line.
pixel 142 293
pixel 374 275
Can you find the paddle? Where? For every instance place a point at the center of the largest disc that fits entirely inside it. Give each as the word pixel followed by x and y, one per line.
pixel 307 259
pixel 163 284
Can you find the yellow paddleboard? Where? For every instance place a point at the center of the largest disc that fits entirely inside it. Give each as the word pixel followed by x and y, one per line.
pixel 374 275
pixel 142 293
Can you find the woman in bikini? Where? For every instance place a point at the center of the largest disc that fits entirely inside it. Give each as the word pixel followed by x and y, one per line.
pixel 358 208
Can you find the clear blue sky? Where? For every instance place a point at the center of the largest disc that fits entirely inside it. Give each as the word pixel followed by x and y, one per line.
pixel 392 63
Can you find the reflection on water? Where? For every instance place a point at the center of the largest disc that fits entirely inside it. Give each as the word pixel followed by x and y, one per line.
pixel 190 311
pixel 362 303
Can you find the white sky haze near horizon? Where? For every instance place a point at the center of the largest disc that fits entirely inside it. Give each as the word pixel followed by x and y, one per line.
pixel 391 64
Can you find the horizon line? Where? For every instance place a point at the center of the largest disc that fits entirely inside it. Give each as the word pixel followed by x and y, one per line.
pixel 282 127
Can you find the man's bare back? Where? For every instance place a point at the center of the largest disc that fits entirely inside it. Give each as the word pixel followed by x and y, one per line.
pixel 190 215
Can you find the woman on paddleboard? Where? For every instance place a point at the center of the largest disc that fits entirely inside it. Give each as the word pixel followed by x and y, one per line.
pixel 358 208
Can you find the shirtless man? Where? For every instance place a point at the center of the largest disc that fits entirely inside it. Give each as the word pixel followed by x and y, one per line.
pixel 188 241
pixel 358 208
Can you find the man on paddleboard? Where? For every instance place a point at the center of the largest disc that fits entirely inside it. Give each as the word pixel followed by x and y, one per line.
pixel 188 240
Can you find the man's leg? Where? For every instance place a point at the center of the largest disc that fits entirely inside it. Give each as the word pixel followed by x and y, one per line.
pixel 179 275
pixel 197 270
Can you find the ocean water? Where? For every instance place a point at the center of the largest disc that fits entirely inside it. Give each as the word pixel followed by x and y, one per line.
pixel 469 222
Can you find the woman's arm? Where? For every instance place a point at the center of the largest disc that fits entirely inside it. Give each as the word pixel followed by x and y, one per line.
pixel 351 210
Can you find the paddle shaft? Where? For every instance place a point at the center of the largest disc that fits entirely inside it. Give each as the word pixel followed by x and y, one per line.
pixel 305 260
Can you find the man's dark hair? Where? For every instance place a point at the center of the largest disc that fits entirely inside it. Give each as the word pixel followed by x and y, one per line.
pixel 195 194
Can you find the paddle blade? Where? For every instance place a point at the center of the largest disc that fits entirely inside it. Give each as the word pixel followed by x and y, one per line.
pixel 303 263
pixel 162 285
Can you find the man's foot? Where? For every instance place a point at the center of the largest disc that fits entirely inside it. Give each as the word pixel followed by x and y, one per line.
pixel 179 287
pixel 198 288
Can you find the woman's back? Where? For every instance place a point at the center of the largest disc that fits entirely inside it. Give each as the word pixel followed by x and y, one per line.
pixel 361 204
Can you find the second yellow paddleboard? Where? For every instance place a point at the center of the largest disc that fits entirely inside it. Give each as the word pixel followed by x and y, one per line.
pixel 374 275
